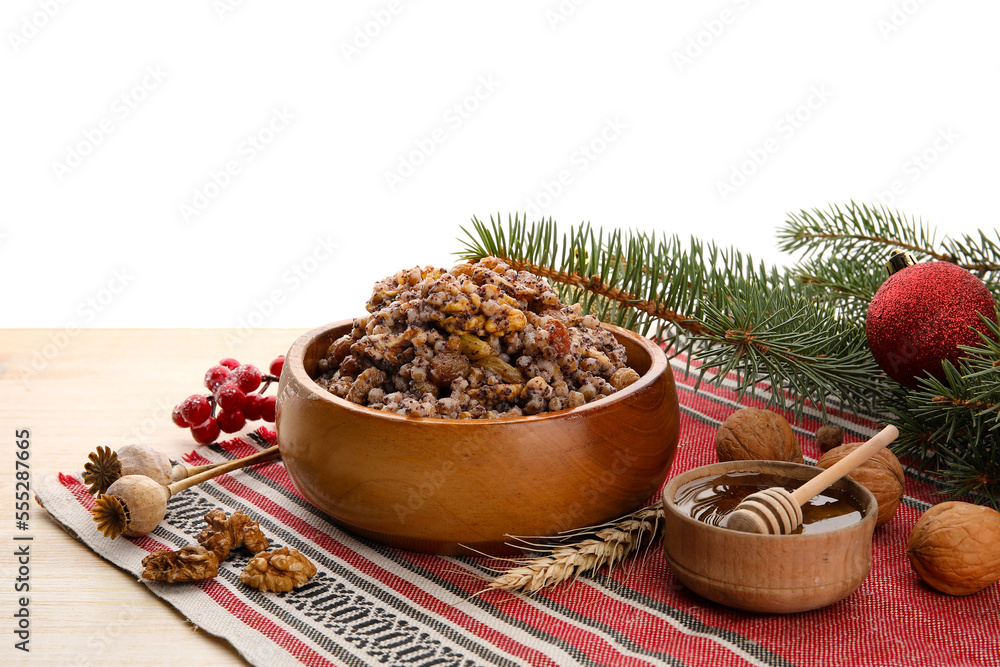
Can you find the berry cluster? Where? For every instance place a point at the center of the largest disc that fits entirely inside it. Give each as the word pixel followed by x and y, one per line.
pixel 237 398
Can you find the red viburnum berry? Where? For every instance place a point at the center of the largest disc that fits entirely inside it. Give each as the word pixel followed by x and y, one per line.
pixel 251 406
pixel 247 377
pixel 206 432
pixel 178 418
pixel 216 376
pixel 195 409
pixel 267 408
pixel 231 421
pixel 229 396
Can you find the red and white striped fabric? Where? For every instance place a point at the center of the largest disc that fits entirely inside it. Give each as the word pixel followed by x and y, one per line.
pixel 369 604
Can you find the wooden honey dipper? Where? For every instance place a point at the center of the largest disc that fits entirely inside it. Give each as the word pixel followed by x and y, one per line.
pixel 775 511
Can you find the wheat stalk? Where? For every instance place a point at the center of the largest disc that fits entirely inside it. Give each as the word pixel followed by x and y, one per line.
pixel 610 545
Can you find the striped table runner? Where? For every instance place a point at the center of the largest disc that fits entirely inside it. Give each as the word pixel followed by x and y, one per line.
pixel 370 605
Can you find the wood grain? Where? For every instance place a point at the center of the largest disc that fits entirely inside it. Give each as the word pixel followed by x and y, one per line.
pixel 775 511
pixel 101 387
pixel 767 573
pixel 462 486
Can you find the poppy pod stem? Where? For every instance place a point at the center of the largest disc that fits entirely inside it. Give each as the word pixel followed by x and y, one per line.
pixel 215 470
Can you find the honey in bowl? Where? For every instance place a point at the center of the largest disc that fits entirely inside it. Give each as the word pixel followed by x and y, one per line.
pixel 710 499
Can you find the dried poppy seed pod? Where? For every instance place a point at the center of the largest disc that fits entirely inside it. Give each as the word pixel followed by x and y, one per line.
pixel 105 466
pixel 145 460
pixel 101 470
pixel 133 506
pixel 154 464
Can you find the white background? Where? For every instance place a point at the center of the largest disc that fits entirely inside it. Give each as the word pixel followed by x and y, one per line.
pixel 153 99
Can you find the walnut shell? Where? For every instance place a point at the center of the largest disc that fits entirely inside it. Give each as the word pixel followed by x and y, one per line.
pixel 882 474
pixel 955 547
pixel 752 434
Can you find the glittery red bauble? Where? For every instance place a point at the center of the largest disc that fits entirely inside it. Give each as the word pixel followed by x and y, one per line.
pixel 921 314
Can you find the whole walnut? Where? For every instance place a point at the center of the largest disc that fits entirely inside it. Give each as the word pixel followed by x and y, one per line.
pixel 882 474
pixel 955 547
pixel 758 435
pixel 829 436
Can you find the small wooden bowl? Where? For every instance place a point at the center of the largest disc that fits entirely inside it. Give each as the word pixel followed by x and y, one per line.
pixel 768 573
pixel 441 485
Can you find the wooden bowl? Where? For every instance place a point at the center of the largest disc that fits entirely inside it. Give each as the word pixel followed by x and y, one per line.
pixel 447 486
pixel 768 573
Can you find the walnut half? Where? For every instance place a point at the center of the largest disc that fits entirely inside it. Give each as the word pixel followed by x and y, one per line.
pixel 224 534
pixel 191 563
pixel 280 570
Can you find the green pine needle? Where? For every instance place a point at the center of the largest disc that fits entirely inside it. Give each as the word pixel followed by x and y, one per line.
pixel 797 332
pixel 715 306
pixel 860 232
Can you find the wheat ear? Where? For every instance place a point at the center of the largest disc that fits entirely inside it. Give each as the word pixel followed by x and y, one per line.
pixel 609 546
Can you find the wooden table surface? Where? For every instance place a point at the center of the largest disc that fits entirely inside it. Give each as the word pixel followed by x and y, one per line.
pixel 75 390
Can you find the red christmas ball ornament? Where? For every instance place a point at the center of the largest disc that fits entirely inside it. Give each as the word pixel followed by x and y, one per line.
pixel 921 315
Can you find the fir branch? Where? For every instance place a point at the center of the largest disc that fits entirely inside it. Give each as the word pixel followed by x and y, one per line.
pixel 950 426
pixel 596 286
pixel 942 402
pixel 717 306
pixel 858 231
pixel 833 286
pixel 623 278
pixel 981 256
pixel 774 336
pixel 847 285
pixel 979 371
pixel 975 471
pixel 919 441
pixel 800 331
pixel 947 403
pixel 864 233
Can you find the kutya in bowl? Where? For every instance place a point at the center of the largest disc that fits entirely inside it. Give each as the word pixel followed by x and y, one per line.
pixel 448 486
pixel 768 573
